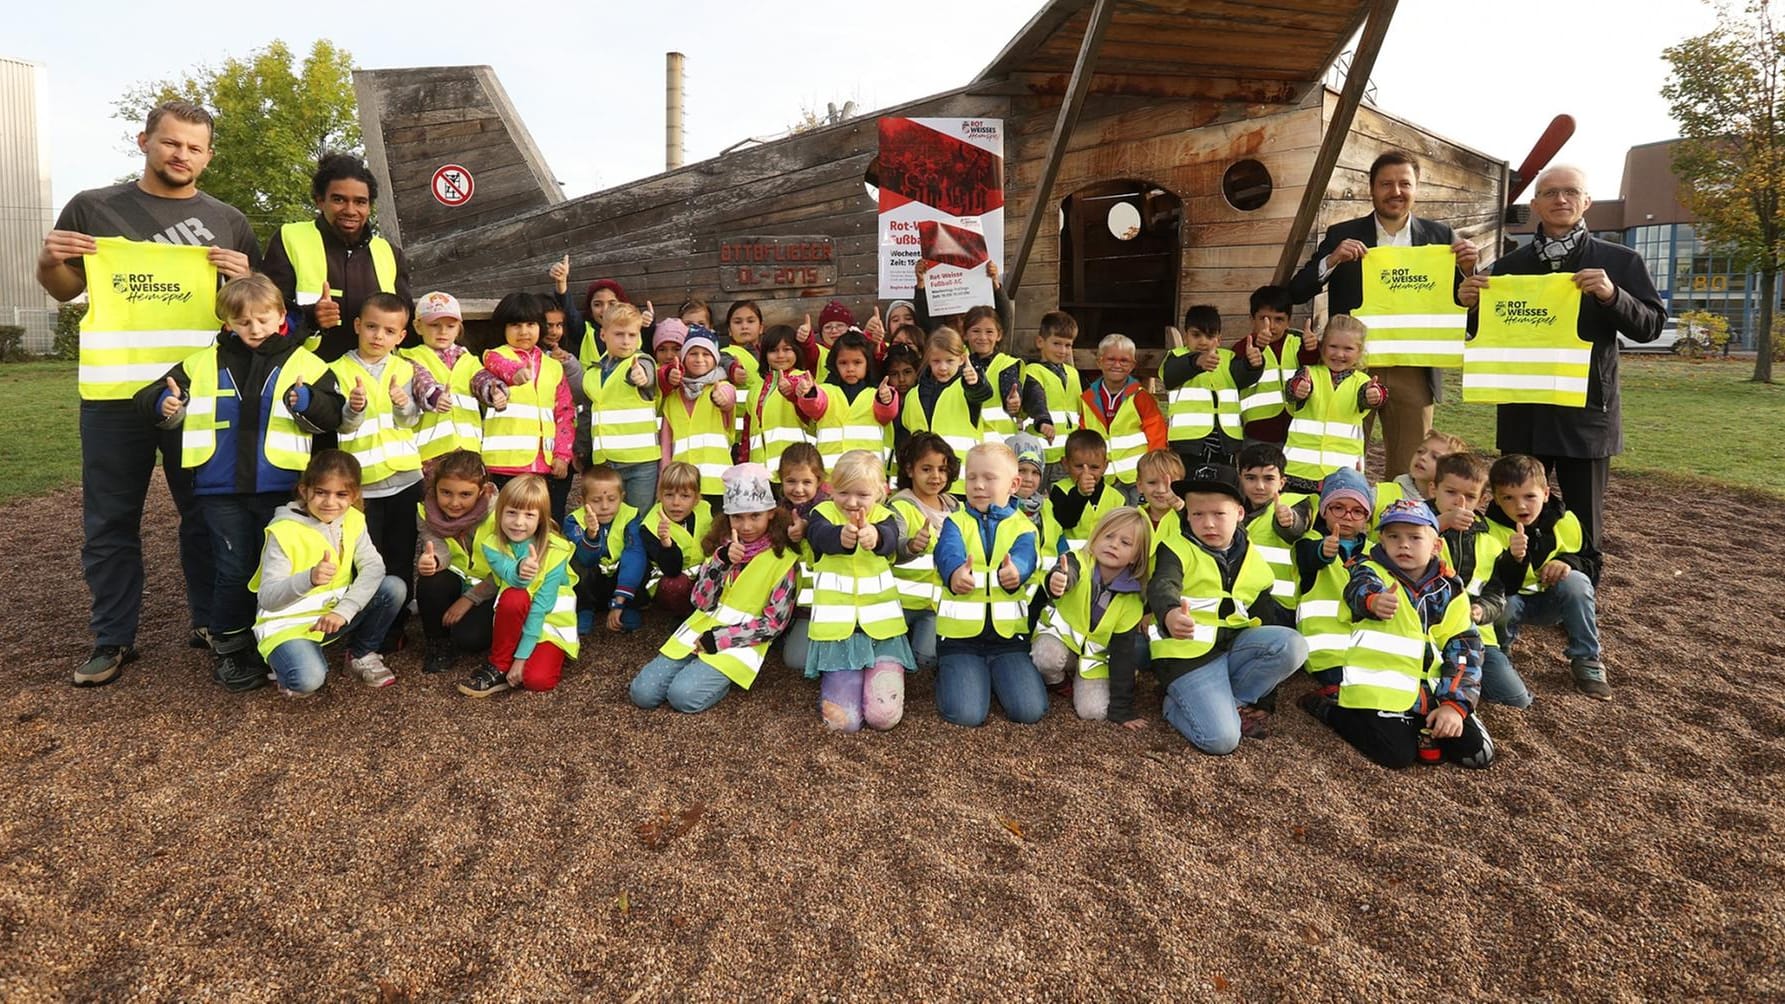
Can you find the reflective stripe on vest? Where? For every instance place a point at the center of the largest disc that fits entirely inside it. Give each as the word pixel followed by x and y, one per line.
pixel 622 421
pixel 1264 399
pixel 952 420
pixel 1062 404
pixel 380 446
pixel 1327 432
pixel 1487 551
pixel 521 433
pixel 1410 306
pixel 283 443
pixel 775 425
pixel 559 627
pixel 992 416
pixel 1387 662
pixel 1125 437
pixel 1205 597
pixel 1194 407
pixel 304 546
pixel 1262 531
pixel 964 616
pixel 747 390
pixel 149 306
pixel 740 600
pixel 687 541
pixel 470 566
pixel 856 588
pixel 700 437
pixel 915 577
pixel 1568 538
pixel 850 425
pixel 1069 619
pixel 461 428
pixel 1108 498
pixel 1323 619
pixel 1527 349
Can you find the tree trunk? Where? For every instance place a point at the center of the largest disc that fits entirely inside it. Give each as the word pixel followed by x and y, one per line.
pixel 1763 342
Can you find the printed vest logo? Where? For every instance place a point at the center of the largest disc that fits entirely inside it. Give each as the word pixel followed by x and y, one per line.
pixel 1524 312
pixel 978 129
pixel 141 287
pixel 1406 280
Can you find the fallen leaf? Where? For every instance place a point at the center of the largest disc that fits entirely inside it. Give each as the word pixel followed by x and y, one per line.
pixel 1013 826
pixel 665 826
pixel 1300 833
pixel 1220 983
pixel 624 902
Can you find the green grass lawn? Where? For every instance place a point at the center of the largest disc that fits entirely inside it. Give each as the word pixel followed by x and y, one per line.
pixel 40 443
pixel 1696 420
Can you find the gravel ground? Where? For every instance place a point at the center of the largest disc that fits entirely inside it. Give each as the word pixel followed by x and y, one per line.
pixel 162 838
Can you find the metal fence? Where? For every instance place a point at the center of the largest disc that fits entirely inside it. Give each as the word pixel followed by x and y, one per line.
pixel 39 324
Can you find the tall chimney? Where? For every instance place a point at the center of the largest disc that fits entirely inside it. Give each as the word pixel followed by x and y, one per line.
pixel 672 111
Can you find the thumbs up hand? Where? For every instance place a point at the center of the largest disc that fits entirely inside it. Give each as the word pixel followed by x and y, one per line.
pixel 920 541
pixel 398 396
pixel 1309 338
pixel 1301 386
pixel 804 331
pixel 1178 622
pixel 328 312
pixel 867 535
pixel 443 400
pixel 972 375
pixel 292 395
pixel 1383 605
pixel 1330 546
pixel 521 376
pixel 851 533
pixel 1007 575
pixel 735 553
pixel 784 384
pixel 170 405
pixel 1013 402
pixel 428 563
pixel 356 400
pixel 1518 545
pixel 961 582
pixel 875 328
pixel 1374 394
pixel 885 394
pixel 324 571
pixel 673 375
pixel 796 528
pixel 1254 358
pixel 498 398
pixel 529 566
pixel 649 314
pixel 560 273
pixel 663 536
pixel 1056 579
pixel 1285 518
pixel 637 377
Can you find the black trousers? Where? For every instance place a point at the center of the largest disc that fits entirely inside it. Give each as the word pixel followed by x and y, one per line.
pixel 1582 483
pixel 433 594
pixel 392 524
pixel 1392 740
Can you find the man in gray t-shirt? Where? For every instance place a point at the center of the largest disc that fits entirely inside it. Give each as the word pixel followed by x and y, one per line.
pixel 117 447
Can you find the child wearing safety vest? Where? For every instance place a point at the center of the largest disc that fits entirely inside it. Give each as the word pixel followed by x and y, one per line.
pixel 1204 382
pixel 927 465
pixel 246 410
pixel 1323 558
pixel 948 398
pixel 1280 349
pixel 1015 402
pixel 452 580
pixel 1480 561
pixel 782 413
pixel 447 384
pixel 536 431
pixel 857 406
pixel 1096 602
pixel 663 547
pixel 1412 671
pixel 1060 385
pixel 1119 410
pixel 1210 596
pixel 1420 481
pixel 533 626
pixel 743 343
pixel 378 429
pixel 1555 566
pixel 985 555
pixel 1327 405
pixel 621 385
pixel 698 399
pixel 599 530
pixel 321 581
pixel 1077 501
pixel 802 489
pixel 743 599
pixel 1274 521
pixel 859 652
pixel 1157 473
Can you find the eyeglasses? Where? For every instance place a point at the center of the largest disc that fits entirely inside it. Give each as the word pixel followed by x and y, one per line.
pixel 1560 193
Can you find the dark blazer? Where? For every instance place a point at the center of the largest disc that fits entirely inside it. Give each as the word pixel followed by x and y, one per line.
pixel 1548 430
pixel 1345 283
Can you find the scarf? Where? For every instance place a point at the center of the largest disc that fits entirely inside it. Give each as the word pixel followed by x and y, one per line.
pixel 451 529
pixel 693 385
pixel 751 550
pixel 1553 251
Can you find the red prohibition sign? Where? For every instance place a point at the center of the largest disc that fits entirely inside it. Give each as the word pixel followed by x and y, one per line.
pixel 453 185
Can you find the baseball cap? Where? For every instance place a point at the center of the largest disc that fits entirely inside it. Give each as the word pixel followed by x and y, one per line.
pixel 1411 511
pixel 1218 478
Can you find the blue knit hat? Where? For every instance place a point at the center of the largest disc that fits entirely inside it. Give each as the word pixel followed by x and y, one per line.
pixel 1346 483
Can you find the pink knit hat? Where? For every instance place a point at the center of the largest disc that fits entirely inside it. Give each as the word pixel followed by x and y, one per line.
pixel 670 331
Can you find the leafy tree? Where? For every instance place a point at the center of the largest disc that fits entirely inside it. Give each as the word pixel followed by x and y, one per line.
pixel 1727 91
pixel 274 119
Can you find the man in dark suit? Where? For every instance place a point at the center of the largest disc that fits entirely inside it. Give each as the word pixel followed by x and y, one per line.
pixel 1412 390
pixel 1617 296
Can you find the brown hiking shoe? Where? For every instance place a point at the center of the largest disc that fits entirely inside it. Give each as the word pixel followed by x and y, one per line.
pixel 1589 678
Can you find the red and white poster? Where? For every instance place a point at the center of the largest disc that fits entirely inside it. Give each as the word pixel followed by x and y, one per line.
pixel 941 199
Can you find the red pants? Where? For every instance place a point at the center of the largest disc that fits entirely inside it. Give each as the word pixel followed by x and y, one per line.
pixel 545 665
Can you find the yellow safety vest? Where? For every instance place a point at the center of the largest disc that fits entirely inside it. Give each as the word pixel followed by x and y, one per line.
pixel 992 416
pixel 1069 619
pixel 1194 407
pixel 309 262
pixel 1527 347
pixel 470 566
pixel 741 599
pixel 608 561
pixel 305 546
pixel 1387 662
pixel 1322 617
pixel 1410 306
pixel 560 621
pixel 381 446
pixel 1125 436
pixel 853 589
pixel 1262 531
pixel 149 306
pixel 1211 605
pixel 1062 404
pixel 687 541
pixel 960 616
pixel 850 425
pixel 1327 432
pixel 778 424
pixel 283 443
pixel 622 421
pixel 1108 498
pixel 1568 539
pixel 517 435
pixel 700 437
pixel 747 390
pixel 915 577
pixel 953 421
pixel 1264 399
pixel 1487 551
pixel 461 428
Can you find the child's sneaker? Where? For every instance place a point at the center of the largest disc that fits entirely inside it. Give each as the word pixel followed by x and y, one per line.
pixel 1485 757
pixel 440 658
pixel 239 672
pixel 1319 702
pixel 1589 678
pixel 487 681
pixel 1255 723
pixel 371 668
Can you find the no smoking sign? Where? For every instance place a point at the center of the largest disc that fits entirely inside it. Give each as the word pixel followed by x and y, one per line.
pixel 453 185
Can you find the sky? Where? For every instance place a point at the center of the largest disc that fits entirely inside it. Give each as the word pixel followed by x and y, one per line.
pixel 588 81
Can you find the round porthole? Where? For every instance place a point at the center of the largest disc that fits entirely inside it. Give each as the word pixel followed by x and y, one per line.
pixel 1246 185
pixel 1124 221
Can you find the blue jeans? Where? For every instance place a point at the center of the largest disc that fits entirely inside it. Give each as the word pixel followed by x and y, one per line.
pixel 690 686
pixel 301 665
pixel 1203 703
pixel 237 525
pixel 969 673
pixel 920 630
pixel 1569 603
pixel 1500 683
pixel 117 460
pixel 796 643
pixel 639 483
